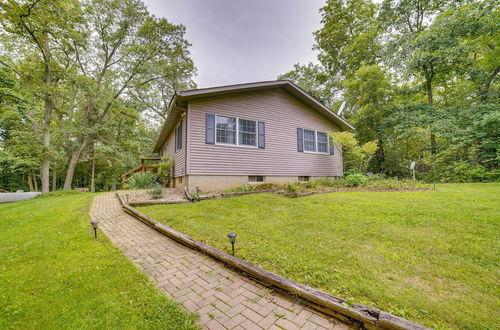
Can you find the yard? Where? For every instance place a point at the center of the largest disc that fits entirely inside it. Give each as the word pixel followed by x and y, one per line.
pixel 429 256
pixel 54 274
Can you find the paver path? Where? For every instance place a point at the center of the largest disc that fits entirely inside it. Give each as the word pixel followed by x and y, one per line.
pixel 222 298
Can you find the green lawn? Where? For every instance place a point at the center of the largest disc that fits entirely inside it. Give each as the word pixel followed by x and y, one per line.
pixel 429 256
pixel 55 275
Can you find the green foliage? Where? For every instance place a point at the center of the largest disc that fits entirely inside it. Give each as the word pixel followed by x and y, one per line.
pixel 156 192
pixel 355 157
pixel 105 70
pixel 382 249
pixel 55 274
pixel 60 193
pixel 245 187
pixel 142 180
pixel 356 180
pixel 291 190
pixel 165 169
pixel 265 186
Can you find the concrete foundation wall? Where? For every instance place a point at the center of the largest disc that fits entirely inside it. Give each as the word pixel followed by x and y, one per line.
pixel 220 182
pixel 179 182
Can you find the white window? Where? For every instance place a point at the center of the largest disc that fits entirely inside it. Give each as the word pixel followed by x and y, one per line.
pixel 225 130
pixel 309 140
pixel 322 142
pixel 247 132
pixel 235 131
pixel 315 141
pixel 178 137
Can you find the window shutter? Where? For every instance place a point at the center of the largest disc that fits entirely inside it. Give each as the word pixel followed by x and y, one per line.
pixel 300 140
pixel 262 135
pixel 210 128
pixel 332 146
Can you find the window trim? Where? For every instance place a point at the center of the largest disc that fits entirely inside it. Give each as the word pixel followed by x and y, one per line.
pixel 176 142
pixel 316 142
pixel 256 146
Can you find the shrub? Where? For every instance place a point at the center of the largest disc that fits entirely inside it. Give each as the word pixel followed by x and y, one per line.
pixel 265 186
pixel 165 169
pixel 291 190
pixel 156 192
pixel 245 187
pixel 356 180
pixel 142 180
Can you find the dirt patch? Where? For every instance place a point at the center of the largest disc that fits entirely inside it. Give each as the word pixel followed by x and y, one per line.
pixel 168 195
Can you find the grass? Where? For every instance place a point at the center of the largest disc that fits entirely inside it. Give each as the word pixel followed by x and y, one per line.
pixel 429 256
pixel 55 275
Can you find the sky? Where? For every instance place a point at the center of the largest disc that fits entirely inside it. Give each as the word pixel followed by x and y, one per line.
pixel 238 41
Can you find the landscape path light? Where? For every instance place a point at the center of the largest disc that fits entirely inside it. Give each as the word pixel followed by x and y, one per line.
pixel 95 225
pixel 232 239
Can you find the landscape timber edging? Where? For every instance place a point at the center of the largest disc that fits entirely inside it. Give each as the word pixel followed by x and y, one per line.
pixel 363 316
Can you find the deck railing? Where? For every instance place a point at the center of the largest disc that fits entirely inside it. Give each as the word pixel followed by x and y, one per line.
pixel 143 167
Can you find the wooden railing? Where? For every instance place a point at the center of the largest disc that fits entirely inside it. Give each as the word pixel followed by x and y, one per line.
pixel 141 168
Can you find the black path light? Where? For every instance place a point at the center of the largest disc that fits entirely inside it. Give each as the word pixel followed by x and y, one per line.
pixel 95 225
pixel 232 239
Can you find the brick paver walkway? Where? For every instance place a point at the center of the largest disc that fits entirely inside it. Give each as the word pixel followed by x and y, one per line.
pixel 222 298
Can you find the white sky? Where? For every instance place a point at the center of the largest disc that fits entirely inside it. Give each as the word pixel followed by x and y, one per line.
pixel 237 41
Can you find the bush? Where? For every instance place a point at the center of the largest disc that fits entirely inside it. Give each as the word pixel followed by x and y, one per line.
pixel 245 187
pixel 462 172
pixel 265 186
pixel 356 180
pixel 165 169
pixel 142 180
pixel 156 192
pixel 291 190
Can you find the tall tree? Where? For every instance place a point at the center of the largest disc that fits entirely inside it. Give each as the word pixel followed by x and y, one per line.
pixel 314 80
pixel 349 37
pixel 43 26
pixel 126 49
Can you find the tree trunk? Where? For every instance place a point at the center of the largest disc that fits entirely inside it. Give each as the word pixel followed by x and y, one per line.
pixel 48 107
pixel 92 177
pixel 30 182
pixel 430 100
pixel 54 178
pixel 75 156
pixel 484 93
pixel 35 181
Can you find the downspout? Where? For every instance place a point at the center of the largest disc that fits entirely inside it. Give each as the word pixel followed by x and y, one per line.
pixel 186 164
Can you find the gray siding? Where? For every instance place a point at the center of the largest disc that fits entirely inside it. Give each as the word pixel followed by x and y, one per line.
pixel 180 155
pixel 282 114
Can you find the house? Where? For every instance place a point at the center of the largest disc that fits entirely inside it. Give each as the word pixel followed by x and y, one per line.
pixel 227 136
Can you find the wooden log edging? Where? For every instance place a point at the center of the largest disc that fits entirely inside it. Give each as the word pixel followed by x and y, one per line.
pixel 364 316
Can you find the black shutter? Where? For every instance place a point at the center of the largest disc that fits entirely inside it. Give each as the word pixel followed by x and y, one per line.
pixel 300 140
pixel 210 128
pixel 332 146
pixel 262 135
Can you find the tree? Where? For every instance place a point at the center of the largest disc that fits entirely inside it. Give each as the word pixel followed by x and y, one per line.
pixel 369 97
pixel 313 79
pixel 126 50
pixel 349 37
pixel 356 157
pixel 43 26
